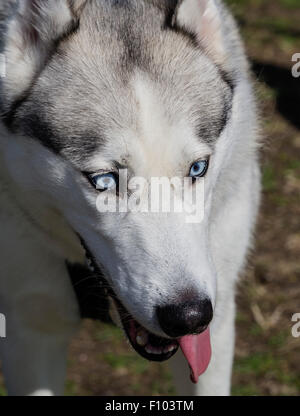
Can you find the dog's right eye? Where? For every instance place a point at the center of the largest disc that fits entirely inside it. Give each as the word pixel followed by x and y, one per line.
pixel 105 181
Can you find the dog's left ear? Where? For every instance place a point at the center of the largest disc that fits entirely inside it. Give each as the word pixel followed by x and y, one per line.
pixel 32 34
pixel 202 19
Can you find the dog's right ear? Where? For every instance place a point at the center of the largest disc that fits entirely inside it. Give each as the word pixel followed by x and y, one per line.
pixel 202 19
pixel 31 36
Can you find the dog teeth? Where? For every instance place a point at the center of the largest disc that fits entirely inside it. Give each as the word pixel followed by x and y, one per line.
pixel 157 351
pixel 142 338
pixel 152 350
pixel 169 348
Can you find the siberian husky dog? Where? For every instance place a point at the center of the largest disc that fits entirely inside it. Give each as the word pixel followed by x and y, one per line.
pixel 90 88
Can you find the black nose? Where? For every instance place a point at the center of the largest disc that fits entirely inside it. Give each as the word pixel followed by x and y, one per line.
pixel 185 318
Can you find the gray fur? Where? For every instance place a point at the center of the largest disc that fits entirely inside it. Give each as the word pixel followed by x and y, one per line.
pixel 139 84
pixel 83 91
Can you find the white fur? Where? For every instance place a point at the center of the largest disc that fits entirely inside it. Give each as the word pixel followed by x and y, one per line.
pixel 34 258
pixel 45 202
pixel 203 19
pixel 30 38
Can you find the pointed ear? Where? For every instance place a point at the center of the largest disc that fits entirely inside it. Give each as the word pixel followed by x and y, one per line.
pixel 31 36
pixel 202 19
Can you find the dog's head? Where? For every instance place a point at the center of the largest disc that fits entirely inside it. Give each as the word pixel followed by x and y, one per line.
pixel 95 88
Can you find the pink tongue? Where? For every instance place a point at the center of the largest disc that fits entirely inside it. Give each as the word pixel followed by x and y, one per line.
pixel 197 351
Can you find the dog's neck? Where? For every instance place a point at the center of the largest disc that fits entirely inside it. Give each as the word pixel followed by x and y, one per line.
pixel 44 219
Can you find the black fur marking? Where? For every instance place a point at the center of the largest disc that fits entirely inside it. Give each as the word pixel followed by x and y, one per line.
pixel 34 122
pixel 228 79
pixel 91 296
pixel 35 126
pixel 211 130
pixel 8 116
pixel 171 24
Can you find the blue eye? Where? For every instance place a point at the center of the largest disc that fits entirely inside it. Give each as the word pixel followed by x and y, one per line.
pixel 105 181
pixel 199 169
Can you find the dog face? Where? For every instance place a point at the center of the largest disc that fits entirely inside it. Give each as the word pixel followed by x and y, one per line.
pixel 142 87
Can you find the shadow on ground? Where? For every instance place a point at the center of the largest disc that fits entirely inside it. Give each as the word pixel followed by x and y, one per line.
pixel 286 87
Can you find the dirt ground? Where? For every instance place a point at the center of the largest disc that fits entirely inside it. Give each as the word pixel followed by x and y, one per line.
pixel 267 360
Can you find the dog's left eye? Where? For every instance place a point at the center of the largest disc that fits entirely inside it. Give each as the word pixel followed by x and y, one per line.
pixel 199 169
pixel 105 182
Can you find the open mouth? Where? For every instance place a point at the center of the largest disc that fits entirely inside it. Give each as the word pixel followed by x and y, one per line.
pixel 195 347
pixel 148 345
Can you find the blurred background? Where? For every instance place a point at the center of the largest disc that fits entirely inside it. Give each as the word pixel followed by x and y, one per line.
pixel 267 360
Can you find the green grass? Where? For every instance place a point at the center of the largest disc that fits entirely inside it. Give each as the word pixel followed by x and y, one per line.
pixel 282 29
pixel 3 391
pixel 258 364
pixel 70 388
pixel 291 4
pixel 132 362
pixel 266 365
pixel 269 178
pixel 278 25
pixel 241 317
pixel 156 387
pixel 278 340
pixel 280 200
pixel 292 165
pixel 110 333
pixel 256 330
pixel 247 390
pixel 289 379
